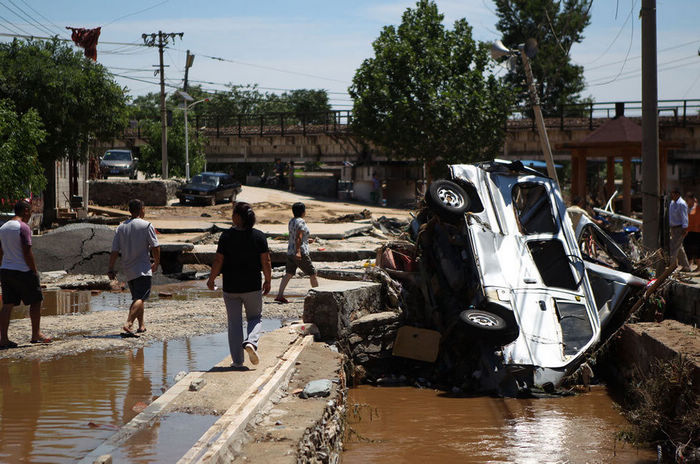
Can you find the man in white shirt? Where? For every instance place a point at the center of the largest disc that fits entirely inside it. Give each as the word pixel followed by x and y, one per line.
pixel 678 220
pixel 19 275
pixel 134 239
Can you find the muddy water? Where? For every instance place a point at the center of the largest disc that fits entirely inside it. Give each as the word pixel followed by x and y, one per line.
pixel 59 302
pixel 58 411
pixel 410 425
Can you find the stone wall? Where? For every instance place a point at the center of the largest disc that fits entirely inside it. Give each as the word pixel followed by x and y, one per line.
pixel 683 303
pixel 119 191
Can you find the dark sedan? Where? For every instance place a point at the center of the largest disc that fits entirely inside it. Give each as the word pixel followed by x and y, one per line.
pixel 208 188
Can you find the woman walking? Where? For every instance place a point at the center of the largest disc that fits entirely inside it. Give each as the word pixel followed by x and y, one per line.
pixel 241 256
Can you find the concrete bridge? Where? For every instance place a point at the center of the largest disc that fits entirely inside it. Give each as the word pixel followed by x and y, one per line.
pixel 328 139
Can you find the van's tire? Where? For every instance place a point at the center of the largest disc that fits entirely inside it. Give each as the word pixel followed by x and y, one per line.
pixel 447 199
pixel 491 323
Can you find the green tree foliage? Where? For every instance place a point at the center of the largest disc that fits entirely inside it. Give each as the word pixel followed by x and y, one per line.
pixel 428 93
pixel 235 101
pixel 150 160
pixel 75 97
pixel 556 25
pixel 20 170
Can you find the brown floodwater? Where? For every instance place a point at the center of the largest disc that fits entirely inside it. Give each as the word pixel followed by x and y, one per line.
pixel 59 302
pixel 411 425
pixel 59 410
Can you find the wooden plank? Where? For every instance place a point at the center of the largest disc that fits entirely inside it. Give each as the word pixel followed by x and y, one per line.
pixel 109 211
pixel 213 445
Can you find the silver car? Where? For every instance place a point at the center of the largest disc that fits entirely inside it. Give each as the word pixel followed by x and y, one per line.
pixel 118 163
pixel 501 263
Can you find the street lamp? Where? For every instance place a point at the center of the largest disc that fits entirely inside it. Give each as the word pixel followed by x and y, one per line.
pixel 527 51
pixel 188 98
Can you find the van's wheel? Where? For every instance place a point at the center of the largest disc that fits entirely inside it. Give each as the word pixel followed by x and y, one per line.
pixel 483 320
pixel 447 199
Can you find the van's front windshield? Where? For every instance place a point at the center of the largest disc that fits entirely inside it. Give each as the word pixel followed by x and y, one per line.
pixel 118 156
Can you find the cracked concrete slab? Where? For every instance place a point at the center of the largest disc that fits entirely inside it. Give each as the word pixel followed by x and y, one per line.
pixel 75 248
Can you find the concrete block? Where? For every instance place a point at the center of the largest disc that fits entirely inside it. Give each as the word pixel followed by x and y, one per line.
pixel 330 307
pixel 374 322
pixel 683 302
pixel 75 248
pixel 120 191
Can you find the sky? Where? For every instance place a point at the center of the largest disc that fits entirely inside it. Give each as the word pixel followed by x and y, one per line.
pixel 282 45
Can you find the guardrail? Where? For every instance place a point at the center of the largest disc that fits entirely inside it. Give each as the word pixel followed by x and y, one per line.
pixel 573 116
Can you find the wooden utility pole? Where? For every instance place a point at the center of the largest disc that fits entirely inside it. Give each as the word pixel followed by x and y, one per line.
pixel 651 194
pixel 188 64
pixel 161 40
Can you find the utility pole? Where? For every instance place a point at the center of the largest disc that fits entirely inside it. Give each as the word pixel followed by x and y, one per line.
pixel 189 61
pixel 650 129
pixel 161 40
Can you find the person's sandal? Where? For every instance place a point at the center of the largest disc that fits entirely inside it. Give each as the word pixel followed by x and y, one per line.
pixel 41 340
pixel 281 299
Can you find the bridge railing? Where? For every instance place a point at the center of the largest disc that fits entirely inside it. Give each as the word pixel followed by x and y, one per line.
pixel 574 116
pixel 592 115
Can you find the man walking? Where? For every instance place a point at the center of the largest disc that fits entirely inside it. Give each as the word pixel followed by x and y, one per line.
pixel 297 251
pixel 134 239
pixel 19 275
pixel 678 220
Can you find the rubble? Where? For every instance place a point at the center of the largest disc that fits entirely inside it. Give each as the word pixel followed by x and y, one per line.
pixel 75 248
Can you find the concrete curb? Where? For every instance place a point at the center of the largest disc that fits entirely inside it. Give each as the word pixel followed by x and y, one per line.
pixel 214 445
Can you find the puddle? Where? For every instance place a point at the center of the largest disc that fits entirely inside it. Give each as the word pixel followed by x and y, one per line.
pixel 411 425
pixel 60 302
pixel 167 440
pixel 60 410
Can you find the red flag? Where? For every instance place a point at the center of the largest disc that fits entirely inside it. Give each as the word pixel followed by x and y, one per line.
pixel 86 39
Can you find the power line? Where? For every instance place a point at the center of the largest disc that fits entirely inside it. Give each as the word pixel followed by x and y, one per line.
pixel 629 48
pixel 26 35
pixel 638 74
pixel 622 28
pixel 270 68
pixel 22 15
pixel 13 25
pixel 636 57
pixel 137 12
pixel 58 28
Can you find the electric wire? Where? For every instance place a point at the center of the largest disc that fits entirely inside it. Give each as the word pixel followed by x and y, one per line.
pixel 5 25
pixel 636 57
pixel 23 16
pixel 622 28
pixel 629 48
pixel 137 12
pixel 58 28
pixel 638 74
pixel 660 67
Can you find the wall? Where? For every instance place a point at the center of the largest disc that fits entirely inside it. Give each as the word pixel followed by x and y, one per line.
pixel 317 184
pixel 118 192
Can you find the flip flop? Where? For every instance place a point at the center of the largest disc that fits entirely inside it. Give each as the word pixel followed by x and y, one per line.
pixel 8 346
pixel 282 300
pixel 140 330
pixel 128 335
pixel 42 340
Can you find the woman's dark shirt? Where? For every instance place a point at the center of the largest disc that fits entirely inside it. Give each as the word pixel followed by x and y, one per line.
pixel 242 249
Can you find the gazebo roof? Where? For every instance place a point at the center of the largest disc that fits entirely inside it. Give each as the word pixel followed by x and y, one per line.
pixel 618 130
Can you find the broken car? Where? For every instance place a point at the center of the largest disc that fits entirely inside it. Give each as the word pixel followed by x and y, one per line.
pixel 503 269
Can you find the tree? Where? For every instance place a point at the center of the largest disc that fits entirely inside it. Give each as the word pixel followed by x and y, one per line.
pixel 150 159
pixel 556 26
pixel 75 97
pixel 428 93
pixel 20 170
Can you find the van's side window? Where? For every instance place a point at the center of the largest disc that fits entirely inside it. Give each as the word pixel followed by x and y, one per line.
pixel 533 209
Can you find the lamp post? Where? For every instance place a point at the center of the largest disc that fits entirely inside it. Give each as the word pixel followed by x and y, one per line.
pixel 188 98
pixel 527 51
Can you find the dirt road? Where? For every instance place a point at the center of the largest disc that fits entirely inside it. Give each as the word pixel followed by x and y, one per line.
pixel 275 207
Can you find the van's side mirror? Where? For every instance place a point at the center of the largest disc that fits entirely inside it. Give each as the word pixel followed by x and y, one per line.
pixel 136 160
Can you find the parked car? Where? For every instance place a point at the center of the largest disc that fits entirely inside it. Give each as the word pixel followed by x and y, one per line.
pixel 118 163
pixel 208 188
pixel 501 266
